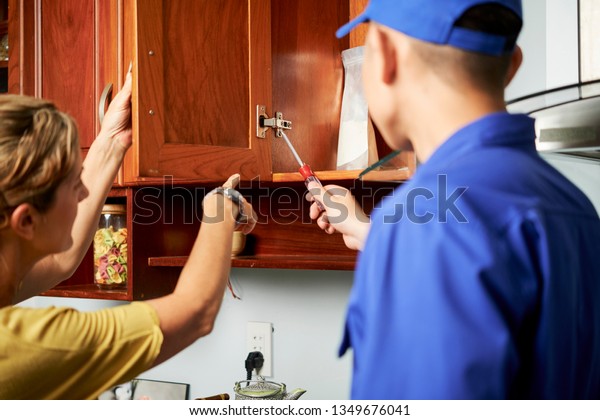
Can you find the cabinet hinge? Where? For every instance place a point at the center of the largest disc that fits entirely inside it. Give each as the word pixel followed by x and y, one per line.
pixel 263 122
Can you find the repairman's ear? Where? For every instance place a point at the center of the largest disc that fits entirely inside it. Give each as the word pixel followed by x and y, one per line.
pixel 22 221
pixel 382 47
pixel 515 63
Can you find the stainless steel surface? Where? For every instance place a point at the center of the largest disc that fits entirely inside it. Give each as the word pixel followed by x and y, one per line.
pixel 277 123
pixel 289 143
pixel 572 128
pixel 261 115
pixel 263 122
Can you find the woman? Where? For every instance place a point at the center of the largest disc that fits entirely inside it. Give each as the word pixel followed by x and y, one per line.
pixel 49 207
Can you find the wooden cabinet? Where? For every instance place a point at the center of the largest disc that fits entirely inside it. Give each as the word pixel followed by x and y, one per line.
pixel 201 69
pixel 66 51
pixel 70 52
pixel 285 237
pixel 306 82
pixel 3 46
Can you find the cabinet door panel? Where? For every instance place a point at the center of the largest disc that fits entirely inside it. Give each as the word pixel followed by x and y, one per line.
pixel 202 67
pixel 65 51
pixel 67 66
pixel 198 68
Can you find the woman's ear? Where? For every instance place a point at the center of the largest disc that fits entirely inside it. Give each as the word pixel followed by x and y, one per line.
pixel 22 221
pixel 515 63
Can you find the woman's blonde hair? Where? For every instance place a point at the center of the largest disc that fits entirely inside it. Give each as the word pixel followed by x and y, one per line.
pixel 38 151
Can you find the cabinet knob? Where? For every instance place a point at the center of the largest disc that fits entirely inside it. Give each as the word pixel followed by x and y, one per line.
pixel 104 101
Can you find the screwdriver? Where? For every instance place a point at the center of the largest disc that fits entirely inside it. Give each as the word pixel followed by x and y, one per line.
pixel 307 173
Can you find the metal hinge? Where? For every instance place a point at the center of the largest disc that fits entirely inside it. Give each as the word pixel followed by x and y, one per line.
pixel 263 122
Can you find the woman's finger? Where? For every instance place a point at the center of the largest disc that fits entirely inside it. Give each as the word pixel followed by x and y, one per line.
pixel 232 181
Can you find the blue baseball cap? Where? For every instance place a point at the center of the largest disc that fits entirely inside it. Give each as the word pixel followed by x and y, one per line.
pixel 434 21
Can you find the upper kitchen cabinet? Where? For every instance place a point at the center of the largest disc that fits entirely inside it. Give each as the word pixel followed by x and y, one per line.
pixel 207 71
pixel 66 51
pixel 201 67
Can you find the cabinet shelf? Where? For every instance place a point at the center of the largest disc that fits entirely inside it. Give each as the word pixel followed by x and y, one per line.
pixel 386 175
pixel 304 262
pixel 400 174
pixel 87 291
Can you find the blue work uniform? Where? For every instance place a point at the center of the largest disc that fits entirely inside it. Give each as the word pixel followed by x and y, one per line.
pixel 480 278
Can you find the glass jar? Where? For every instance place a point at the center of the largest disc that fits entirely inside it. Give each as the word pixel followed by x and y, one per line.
pixel 110 248
pixel 4 48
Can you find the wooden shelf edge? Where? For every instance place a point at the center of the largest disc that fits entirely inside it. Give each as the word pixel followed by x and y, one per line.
pixel 87 291
pixel 165 182
pixel 391 175
pixel 117 192
pixel 305 262
pixel 399 175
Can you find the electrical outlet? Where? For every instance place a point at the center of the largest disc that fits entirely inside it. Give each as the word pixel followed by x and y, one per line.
pixel 259 337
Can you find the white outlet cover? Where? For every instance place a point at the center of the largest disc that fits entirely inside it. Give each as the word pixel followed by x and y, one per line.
pixel 259 337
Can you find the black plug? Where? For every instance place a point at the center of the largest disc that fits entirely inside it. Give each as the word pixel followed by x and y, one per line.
pixel 254 360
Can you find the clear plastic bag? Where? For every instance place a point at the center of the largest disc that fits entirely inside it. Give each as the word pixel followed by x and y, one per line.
pixel 353 140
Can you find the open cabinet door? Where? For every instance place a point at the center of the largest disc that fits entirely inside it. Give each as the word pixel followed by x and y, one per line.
pixel 201 67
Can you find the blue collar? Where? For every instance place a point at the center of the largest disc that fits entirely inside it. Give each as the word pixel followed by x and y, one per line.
pixel 494 130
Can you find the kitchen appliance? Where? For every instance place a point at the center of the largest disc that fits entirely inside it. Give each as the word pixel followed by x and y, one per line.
pixel 260 389
pixel 570 129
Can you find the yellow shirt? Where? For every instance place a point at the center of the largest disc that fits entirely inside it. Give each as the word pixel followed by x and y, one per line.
pixel 61 353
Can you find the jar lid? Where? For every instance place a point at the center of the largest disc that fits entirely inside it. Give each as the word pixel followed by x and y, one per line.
pixel 114 209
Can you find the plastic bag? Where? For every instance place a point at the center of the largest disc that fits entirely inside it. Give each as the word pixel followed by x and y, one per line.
pixel 353 140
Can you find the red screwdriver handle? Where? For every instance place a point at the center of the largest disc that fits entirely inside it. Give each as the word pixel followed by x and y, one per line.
pixel 309 176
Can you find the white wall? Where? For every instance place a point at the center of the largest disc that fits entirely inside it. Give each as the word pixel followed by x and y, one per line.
pixel 306 308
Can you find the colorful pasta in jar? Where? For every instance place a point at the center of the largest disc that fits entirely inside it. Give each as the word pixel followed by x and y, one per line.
pixel 110 248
